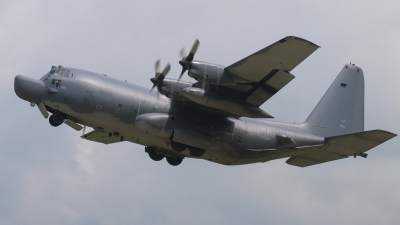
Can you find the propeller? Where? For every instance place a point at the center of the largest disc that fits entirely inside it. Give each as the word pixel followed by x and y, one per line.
pixel 186 60
pixel 84 130
pixel 157 80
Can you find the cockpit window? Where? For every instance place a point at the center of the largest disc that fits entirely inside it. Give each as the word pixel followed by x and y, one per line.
pixel 59 72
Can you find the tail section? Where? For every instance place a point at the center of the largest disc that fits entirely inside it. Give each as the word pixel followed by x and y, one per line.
pixel 341 109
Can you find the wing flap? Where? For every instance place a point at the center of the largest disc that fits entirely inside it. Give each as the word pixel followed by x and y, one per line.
pixel 279 80
pixel 266 88
pixel 342 146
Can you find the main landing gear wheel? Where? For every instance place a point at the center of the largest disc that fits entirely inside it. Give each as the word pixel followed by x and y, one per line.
pixel 196 152
pixel 173 161
pixel 153 154
pixel 56 119
pixel 178 146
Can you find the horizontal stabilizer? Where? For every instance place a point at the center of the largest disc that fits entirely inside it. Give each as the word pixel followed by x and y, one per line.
pixel 339 147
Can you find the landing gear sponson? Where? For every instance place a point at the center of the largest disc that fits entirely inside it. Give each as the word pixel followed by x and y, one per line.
pixel 195 152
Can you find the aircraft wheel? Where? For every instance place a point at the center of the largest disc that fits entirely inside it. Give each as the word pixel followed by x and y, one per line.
pixel 196 152
pixel 56 119
pixel 173 161
pixel 178 146
pixel 153 154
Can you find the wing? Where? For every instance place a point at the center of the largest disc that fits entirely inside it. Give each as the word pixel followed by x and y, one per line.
pixel 102 137
pixel 268 70
pixel 340 147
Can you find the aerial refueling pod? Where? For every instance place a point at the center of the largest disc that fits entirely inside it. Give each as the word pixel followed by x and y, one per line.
pixel 224 104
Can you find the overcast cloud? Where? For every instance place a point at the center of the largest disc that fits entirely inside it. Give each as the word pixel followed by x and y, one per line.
pixel 52 176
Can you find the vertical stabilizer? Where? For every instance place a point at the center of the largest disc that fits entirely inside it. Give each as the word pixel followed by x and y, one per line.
pixel 341 109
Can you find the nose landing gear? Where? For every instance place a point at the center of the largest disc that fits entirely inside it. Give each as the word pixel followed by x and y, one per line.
pixel 56 119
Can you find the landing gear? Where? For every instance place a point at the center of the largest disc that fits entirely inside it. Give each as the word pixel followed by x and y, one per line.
pixel 196 152
pixel 56 119
pixel 178 146
pixel 153 154
pixel 173 161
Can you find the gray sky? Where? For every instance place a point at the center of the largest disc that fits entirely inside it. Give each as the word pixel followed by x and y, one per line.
pixel 52 176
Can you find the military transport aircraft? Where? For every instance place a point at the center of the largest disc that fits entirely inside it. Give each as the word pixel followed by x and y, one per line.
pixel 216 118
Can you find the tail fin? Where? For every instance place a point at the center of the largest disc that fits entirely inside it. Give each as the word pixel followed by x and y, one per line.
pixel 341 109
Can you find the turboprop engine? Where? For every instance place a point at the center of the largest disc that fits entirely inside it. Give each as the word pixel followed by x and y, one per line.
pixel 210 73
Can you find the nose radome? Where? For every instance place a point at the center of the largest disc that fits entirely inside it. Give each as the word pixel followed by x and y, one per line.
pixel 29 89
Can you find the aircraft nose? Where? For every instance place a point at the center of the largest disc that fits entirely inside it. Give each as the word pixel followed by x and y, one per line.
pixel 29 89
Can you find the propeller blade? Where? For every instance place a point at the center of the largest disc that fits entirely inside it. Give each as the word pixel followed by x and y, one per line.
pixel 166 70
pixel 183 54
pixel 187 60
pixel 160 76
pixel 180 76
pixel 157 67
pixel 158 79
pixel 194 47
pixel 152 88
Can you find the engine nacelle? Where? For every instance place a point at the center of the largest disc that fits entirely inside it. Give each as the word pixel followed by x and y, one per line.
pixel 173 89
pixel 210 73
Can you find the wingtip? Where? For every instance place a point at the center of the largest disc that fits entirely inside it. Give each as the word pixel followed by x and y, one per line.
pixel 301 39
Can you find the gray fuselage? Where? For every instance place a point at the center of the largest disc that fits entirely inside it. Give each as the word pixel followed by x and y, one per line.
pixel 112 106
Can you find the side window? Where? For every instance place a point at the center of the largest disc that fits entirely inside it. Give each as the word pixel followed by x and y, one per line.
pixel 56 83
pixel 66 74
